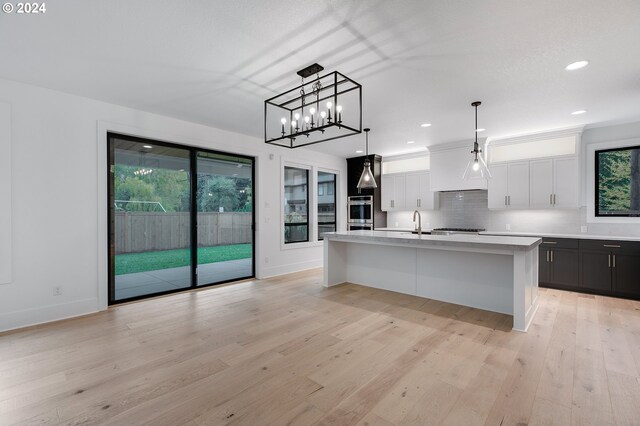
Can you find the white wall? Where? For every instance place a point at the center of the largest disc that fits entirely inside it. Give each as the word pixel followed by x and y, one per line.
pixel 550 221
pixel 58 163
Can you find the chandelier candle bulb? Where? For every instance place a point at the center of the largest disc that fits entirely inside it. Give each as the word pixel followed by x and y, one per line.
pixel 283 121
pixel 339 111
pixel 312 111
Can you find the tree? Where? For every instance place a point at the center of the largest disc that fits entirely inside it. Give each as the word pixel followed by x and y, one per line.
pixel 216 192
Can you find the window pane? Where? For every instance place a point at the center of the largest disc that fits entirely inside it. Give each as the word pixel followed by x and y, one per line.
pixel 618 182
pixel 296 205
pixel 326 203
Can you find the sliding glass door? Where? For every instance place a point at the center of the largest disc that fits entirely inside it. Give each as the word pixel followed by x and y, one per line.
pixel 178 218
pixel 225 217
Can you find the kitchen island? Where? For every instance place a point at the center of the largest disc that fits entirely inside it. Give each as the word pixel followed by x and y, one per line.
pixel 495 273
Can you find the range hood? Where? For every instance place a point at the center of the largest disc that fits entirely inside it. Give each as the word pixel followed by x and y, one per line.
pixel 448 162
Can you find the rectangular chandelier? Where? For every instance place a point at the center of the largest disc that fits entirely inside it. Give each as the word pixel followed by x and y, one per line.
pixel 321 109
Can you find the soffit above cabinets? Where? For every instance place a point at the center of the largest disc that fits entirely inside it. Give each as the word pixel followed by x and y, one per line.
pixel 539 145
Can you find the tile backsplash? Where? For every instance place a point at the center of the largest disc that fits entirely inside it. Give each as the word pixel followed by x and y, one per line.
pixel 464 209
pixel 468 209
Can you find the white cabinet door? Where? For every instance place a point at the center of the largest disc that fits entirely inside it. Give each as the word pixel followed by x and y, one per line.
pixel 393 193
pixel 518 185
pixel 427 200
pixel 565 185
pixel 541 184
pixel 412 190
pixel 498 187
pixel 387 191
pixel 399 192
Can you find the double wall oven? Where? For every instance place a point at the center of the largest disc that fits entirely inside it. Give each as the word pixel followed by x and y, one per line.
pixel 360 210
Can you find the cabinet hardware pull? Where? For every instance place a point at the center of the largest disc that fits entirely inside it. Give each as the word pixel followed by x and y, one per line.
pixel 609 258
pixel 419 202
pixel 550 198
pixel 554 199
pixel 509 199
pixel 505 200
pixel 547 255
pixel 549 242
pixel 551 256
pixel 614 260
pixel 611 245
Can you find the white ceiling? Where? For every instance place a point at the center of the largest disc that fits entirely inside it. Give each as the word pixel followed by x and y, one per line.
pixel 215 62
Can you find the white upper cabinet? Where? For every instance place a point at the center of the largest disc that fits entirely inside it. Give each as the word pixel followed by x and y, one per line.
pixel 538 171
pixel 407 191
pixel 393 192
pixel 418 194
pixel 509 186
pixel 447 168
pixel 554 183
pixel 518 196
pixel 498 187
pixel 541 186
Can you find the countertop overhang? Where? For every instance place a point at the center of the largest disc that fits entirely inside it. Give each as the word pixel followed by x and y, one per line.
pixel 455 241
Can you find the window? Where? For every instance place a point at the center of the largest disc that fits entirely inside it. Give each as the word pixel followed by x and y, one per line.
pixel 326 203
pixel 617 182
pixel 296 205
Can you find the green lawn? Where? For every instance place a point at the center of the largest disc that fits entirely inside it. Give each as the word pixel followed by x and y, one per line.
pixel 151 261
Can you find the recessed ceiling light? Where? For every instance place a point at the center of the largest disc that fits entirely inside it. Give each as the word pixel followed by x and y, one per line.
pixel 480 130
pixel 425 125
pixel 147 146
pixel 359 151
pixel 411 141
pixel 578 112
pixel 576 65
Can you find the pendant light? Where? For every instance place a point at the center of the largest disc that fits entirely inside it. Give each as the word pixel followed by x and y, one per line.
pixel 476 167
pixel 367 180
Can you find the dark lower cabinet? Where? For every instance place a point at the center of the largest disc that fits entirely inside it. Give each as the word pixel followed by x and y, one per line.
pixel 626 273
pixel 595 271
pixel 559 262
pixel 610 267
pixel 605 267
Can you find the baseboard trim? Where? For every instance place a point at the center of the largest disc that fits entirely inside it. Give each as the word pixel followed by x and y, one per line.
pixel 36 316
pixel 290 268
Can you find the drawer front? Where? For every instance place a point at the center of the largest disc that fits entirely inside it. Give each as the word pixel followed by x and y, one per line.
pixel 562 243
pixel 611 245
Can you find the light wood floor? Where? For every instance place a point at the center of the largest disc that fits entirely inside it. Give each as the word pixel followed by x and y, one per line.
pixel 288 351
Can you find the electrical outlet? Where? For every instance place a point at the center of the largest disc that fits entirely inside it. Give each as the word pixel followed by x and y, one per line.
pixel 507 227
pixel 57 291
pixel 583 228
pixel 266 260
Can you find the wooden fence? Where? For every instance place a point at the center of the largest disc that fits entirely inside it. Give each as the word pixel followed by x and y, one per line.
pixel 153 231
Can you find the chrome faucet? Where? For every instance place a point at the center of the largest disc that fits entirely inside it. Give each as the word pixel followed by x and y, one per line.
pixel 419 228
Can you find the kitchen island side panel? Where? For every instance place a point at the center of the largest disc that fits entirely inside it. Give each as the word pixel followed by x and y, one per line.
pixel 478 280
pixel 383 267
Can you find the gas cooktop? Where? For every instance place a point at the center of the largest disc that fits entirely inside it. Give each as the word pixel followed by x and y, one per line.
pixel 460 229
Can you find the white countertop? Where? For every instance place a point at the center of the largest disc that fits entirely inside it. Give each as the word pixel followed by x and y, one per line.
pixel 401 229
pixel 440 241
pixel 552 235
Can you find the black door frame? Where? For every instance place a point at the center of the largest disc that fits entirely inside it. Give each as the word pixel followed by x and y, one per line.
pixel 193 155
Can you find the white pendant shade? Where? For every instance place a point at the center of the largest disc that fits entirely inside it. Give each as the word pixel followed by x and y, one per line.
pixel 476 169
